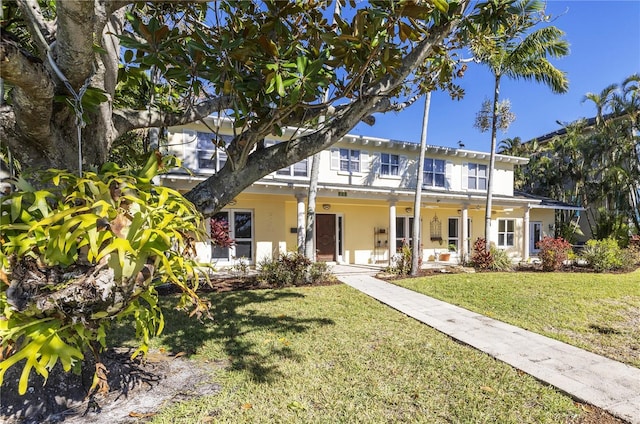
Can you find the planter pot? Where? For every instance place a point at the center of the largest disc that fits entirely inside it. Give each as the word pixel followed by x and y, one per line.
pixel 445 257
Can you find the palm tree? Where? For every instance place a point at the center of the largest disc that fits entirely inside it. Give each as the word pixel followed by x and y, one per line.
pixel 516 53
pixel 616 153
pixel 511 146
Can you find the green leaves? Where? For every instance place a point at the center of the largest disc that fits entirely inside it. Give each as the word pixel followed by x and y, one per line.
pixel 274 55
pixel 72 230
pixel 42 350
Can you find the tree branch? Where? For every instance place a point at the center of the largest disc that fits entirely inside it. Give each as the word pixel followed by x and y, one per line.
pixel 43 31
pixel 129 119
pixel 112 5
pixel 211 195
pixel 74 47
pixel 32 93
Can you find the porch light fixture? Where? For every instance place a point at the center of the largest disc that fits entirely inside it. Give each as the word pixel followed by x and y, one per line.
pixel 326 206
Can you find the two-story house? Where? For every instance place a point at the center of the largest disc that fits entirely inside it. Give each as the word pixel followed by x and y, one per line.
pixel 365 200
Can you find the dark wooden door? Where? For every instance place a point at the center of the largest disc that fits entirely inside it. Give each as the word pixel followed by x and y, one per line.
pixel 326 237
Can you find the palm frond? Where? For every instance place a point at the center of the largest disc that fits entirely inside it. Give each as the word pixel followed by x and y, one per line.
pixel 544 42
pixel 541 71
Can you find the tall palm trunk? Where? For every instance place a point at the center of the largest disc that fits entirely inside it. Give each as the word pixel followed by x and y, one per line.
pixel 492 162
pixel 311 208
pixel 415 247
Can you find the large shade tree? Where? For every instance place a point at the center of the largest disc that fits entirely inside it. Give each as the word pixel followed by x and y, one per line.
pixel 518 51
pixel 80 77
pixel 264 64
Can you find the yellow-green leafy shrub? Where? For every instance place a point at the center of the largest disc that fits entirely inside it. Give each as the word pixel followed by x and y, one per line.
pixel 77 253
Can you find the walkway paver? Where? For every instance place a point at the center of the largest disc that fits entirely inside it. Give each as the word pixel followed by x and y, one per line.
pixel 585 376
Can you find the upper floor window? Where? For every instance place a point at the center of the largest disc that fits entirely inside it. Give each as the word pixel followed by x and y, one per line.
pixel 209 154
pixel 389 164
pixel 298 169
pixel 434 172
pixel 349 160
pixel 506 232
pixel 477 177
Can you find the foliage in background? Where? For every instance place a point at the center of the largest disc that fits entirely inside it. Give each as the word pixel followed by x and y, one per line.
pixel 634 248
pixel 553 252
pixel 606 255
pixel 593 163
pixel 219 233
pixel 401 262
pixel 481 258
pixel 569 230
pixel 292 269
pixel 516 49
pixel 80 252
pixel 501 260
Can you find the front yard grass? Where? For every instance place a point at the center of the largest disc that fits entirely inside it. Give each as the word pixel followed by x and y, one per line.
pixel 333 355
pixel 597 312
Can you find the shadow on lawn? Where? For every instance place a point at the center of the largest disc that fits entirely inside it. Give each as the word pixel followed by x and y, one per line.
pixel 233 320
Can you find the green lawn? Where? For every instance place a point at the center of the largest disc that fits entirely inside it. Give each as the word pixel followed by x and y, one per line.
pixel 333 355
pixel 597 312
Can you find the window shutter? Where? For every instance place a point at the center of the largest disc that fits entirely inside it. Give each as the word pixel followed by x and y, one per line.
pixel 404 163
pixel 335 159
pixel 448 174
pixel 189 154
pixel 375 163
pixel 364 161
pixel 465 176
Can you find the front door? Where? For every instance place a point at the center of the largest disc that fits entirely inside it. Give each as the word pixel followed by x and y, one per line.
pixel 325 237
pixel 535 235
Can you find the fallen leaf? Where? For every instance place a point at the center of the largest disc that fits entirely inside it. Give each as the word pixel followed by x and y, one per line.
pixel 247 406
pixel 141 414
pixel 296 406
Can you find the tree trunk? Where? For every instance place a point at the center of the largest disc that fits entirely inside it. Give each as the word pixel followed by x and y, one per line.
pixel 416 246
pixel 76 291
pixel 309 238
pixel 492 163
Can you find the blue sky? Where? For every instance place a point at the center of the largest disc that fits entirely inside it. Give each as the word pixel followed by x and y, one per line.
pixel 604 38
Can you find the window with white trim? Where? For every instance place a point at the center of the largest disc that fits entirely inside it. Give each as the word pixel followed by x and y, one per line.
pixel 506 232
pixel 210 154
pixel 349 160
pixel 477 176
pixel 434 173
pixel 389 164
pixel 240 225
pixel 453 233
pixel 404 232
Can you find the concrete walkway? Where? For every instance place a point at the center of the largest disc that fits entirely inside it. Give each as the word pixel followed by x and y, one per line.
pixel 585 376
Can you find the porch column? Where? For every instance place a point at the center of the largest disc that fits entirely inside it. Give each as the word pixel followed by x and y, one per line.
pixel 301 221
pixel 464 253
pixel 526 235
pixel 392 229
